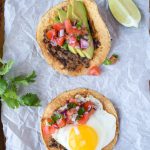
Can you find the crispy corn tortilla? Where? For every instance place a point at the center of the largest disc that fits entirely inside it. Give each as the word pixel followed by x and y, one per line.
pixel 61 100
pixel 101 33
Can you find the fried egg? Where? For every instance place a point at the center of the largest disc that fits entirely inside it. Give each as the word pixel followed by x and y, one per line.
pixel 97 133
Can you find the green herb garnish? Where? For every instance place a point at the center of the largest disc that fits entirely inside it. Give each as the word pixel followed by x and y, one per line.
pixel 71 105
pixel 81 111
pixel 79 37
pixel 107 62
pixel 65 46
pixel 78 117
pixel 24 79
pixel 112 60
pixel 56 117
pixel 9 88
pixel 30 99
pixel 51 123
pixel 57 19
pixel 5 67
pixel 79 25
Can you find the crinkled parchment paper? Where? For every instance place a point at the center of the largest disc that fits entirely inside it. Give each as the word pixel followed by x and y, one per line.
pixel 125 83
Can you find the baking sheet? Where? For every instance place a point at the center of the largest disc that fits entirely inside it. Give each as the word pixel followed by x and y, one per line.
pixel 125 84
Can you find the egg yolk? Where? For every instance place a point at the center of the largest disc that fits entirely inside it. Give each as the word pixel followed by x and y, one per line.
pixel 83 137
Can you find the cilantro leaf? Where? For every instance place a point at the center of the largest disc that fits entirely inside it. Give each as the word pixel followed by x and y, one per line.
pixel 6 67
pixel 10 94
pixel 112 60
pixel 107 62
pixel 56 117
pixel 71 105
pixel 25 80
pixel 3 86
pixel 11 99
pixel 81 111
pixel 79 25
pixel 8 88
pixel 11 102
pixel 57 19
pixel 30 100
pixel 79 37
pixel 13 87
pixel 65 46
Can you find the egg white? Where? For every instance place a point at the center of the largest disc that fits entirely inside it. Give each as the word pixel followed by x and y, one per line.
pixel 101 121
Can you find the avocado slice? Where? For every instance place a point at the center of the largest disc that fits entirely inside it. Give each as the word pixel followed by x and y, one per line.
pixel 69 12
pixel 71 49
pixel 80 52
pixel 79 12
pixel 62 15
pixel 70 16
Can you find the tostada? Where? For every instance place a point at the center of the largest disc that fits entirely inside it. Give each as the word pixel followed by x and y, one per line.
pixel 80 119
pixel 73 37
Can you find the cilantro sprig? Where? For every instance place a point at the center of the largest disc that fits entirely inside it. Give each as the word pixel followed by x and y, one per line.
pixel 112 60
pixel 9 88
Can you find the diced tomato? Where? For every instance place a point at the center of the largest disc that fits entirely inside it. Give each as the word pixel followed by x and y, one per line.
pixel 84 118
pixel 60 41
pixel 72 100
pixel 68 120
pixel 74 44
pixel 73 30
pixel 71 111
pixel 91 112
pixel 51 34
pixel 87 105
pixel 67 37
pixel 84 31
pixel 95 70
pixel 73 41
pixel 61 123
pixel 68 26
pixel 59 26
pixel 76 31
pixel 48 130
pixel 49 120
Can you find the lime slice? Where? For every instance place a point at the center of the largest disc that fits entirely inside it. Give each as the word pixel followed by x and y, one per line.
pixel 125 12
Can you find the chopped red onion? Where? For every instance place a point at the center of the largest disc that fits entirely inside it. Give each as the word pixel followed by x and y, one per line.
pixel 74 27
pixel 95 108
pixel 61 33
pixel 64 112
pixel 78 47
pixel 77 108
pixel 86 113
pixel 74 23
pixel 84 44
pixel 56 126
pixel 89 108
pixel 85 37
pixel 53 43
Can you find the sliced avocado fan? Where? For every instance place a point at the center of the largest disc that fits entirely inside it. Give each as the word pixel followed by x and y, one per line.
pixel 71 49
pixel 62 15
pixel 71 17
pixel 69 12
pixel 79 12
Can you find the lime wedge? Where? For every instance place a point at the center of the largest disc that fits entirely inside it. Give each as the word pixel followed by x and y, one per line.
pixel 125 12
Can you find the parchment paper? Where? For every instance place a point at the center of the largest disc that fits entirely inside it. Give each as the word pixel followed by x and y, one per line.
pixel 125 83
